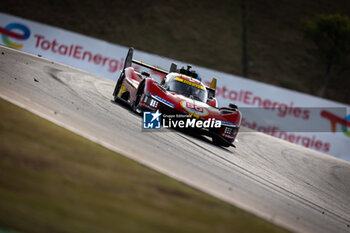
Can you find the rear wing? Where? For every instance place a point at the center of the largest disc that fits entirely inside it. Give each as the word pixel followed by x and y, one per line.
pixel 129 60
pixel 150 67
pixel 173 68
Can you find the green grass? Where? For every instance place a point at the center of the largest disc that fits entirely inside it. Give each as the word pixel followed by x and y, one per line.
pixel 206 33
pixel 52 180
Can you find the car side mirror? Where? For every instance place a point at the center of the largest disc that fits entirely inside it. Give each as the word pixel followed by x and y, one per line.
pixel 145 74
pixel 173 67
pixel 166 87
pixel 233 106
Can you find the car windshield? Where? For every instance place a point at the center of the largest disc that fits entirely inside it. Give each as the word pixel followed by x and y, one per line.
pixel 188 89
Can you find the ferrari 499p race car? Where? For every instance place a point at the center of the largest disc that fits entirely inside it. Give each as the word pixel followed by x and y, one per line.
pixel 180 92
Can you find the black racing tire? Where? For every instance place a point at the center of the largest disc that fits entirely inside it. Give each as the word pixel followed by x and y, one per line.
pixel 135 105
pixel 117 87
pixel 217 140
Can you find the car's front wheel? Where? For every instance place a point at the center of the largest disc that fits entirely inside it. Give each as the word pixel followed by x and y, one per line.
pixel 117 87
pixel 220 141
pixel 136 104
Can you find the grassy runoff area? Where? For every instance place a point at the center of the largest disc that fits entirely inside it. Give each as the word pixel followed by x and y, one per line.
pixel 52 180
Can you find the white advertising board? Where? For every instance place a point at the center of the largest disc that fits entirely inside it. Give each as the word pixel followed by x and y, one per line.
pixel 303 119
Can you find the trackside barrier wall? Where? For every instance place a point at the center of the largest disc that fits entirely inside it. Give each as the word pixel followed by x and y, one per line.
pixel 303 119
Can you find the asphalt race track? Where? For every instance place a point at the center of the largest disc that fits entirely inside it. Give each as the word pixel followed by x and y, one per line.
pixel 294 187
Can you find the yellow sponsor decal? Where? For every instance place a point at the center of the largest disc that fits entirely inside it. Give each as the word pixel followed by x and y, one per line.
pixel 122 90
pixel 189 83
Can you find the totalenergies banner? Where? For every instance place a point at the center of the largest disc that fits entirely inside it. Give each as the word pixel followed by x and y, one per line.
pixel 303 119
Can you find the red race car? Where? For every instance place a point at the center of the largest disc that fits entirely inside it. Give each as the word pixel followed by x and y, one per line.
pixel 181 92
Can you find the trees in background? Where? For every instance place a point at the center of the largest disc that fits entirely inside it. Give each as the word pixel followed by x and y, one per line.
pixel 244 39
pixel 331 36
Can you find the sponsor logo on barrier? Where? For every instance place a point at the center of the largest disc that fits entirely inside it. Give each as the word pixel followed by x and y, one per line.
pixel 11 31
pixel 312 142
pixel 77 52
pixel 334 120
pixel 248 98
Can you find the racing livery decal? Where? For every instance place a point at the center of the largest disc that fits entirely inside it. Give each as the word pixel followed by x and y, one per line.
pixel 189 83
pixel 193 109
